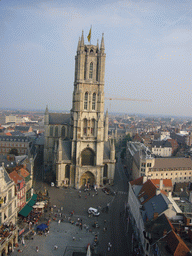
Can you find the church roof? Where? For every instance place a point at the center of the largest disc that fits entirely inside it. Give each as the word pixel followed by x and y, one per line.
pixel 106 153
pixel 59 118
pixel 66 150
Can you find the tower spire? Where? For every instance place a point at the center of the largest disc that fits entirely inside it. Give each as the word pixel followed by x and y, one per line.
pixel 82 40
pixel 102 43
pixel 78 46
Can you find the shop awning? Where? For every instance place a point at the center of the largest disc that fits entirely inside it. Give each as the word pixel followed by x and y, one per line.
pixel 31 202
pixel 34 197
pixel 26 210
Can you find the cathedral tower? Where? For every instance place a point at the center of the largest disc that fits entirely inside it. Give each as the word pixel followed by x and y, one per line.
pixel 88 112
pixel 76 144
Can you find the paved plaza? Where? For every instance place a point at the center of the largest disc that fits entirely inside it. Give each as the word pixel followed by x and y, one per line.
pixel 69 237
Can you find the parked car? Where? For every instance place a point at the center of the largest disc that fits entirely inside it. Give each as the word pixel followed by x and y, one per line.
pixel 93 211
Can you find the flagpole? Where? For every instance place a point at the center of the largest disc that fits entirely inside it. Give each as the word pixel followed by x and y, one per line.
pixel 91 32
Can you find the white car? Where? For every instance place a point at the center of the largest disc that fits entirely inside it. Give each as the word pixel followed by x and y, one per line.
pixel 93 211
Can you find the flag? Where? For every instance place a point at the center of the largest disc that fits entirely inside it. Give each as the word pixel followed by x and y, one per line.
pixel 89 36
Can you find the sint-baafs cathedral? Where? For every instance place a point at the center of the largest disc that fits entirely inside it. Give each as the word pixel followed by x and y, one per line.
pixel 76 144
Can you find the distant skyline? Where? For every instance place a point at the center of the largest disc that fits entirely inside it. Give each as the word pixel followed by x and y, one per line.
pixel 148 48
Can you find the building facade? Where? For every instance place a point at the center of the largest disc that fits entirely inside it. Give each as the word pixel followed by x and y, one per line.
pixel 140 162
pixel 76 144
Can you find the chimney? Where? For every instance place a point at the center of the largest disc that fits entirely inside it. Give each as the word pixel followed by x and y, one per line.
pixel 158 192
pixel 145 178
pixel 161 184
pixel 155 215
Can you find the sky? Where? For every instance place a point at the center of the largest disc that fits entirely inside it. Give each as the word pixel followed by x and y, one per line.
pixel 148 45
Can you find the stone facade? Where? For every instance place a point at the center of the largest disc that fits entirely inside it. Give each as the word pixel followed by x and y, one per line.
pixel 76 144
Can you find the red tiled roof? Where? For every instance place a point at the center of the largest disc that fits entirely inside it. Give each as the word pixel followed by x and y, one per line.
pixel 148 191
pixel 24 172
pixel 166 182
pixel 8 134
pixel 176 244
pixel 138 181
pixel 15 177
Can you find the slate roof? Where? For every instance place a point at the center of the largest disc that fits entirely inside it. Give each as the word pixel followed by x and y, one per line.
pixel 6 176
pixel 161 143
pixel 59 118
pixel 66 150
pixel 157 227
pixel 157 204
pixel 173 162
pixel 14 138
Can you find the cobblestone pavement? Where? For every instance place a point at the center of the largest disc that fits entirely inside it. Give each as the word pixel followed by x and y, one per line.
pixel 61 234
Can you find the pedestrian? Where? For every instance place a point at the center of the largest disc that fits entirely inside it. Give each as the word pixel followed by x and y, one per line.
pixel 37 248
pixel 85 197
pixel 55 247
pixel 105 221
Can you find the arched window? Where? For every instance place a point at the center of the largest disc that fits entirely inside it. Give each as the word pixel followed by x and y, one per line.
pixel 85 126
pixel 87 157
pixel 63 131
pixel 105 173
pixel 93 101
pixel 67 171
pixel 91 70
pixel 86 100
pixel 56 131
pixel 51 131
pixel 93 127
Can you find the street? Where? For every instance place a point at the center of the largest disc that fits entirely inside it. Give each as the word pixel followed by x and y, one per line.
pixel 112 224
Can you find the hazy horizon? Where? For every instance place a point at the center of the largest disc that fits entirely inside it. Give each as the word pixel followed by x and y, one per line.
pixel 148 53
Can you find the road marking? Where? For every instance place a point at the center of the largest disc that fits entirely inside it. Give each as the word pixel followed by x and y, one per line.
pixel 122 193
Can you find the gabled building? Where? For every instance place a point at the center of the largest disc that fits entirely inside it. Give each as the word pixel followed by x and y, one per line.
pixel 161 148
pixel 20 189
pixel 8 212
pixel 146 202
pixel 161 239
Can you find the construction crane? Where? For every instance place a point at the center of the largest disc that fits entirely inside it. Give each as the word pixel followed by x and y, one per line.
pixel 128 99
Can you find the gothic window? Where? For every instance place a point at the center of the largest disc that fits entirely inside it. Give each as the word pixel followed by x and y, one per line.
pixel 93 101
pixel 51 131
pixel 67 171
pixel 91 51
pixel 97 72
pixel 85 126
pixel 105 173
pixel 87 157
pixel 86 100
pixel 93 127
pixel 56 131
pixel 63 131
pixel 91 70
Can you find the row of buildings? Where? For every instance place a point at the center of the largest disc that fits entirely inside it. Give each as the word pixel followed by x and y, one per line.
pixel 16 190
pixel 161 225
